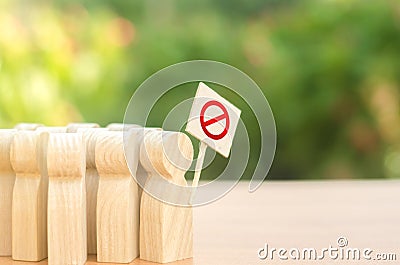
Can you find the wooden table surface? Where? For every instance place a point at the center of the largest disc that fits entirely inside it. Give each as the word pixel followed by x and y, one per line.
pixel 307 214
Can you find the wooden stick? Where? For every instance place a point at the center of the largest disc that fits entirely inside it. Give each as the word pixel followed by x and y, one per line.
pixel 7 179
pixel 29 209
pixel 28 126
pixel 66 163
pixel 92 184
pixel 117 201
pixel 199 163
pixel 165 230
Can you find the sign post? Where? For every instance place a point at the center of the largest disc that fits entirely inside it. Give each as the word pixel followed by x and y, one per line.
pixel 199 163
pixel 212 120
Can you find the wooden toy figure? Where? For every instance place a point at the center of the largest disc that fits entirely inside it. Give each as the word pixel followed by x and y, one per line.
pixel 138 133
pixel 29 209
pixel 52 129
pixel 165 230
pixel 92 183
pixel 117 200
pixel 121 126
pixel 74 127
pixel 7 179
pixel 91 178
pixel 27 126
pixel 67 235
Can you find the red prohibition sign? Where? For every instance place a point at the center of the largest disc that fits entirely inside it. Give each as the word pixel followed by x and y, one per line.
pixel 204 124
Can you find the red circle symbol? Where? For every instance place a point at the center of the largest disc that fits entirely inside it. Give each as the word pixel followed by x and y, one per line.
pixel 224 116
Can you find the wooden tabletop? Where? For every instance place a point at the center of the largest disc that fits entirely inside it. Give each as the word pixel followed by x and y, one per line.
pixel 307 214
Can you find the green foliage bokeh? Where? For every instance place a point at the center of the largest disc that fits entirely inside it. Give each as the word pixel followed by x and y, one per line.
pixel 330 69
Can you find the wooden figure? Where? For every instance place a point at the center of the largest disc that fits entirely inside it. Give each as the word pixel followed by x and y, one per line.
pixel 7 179
pixel 118 199
pixel 29 208
pixel 92 184
pixel 121 126
pixel 165 230
pixel 138 131
pixel 52 129
pixel 28 126
pixel 91 180
pixel 141 174
pixel 66 164
pixel 74 127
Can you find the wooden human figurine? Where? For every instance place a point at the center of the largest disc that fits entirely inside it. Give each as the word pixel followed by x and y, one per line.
pixel 138 133
pixel 92 184
pixel 91 180
pixel 52 129
pixel 118 199
pixel 7 179
pixel 165 230
pixel 28 126
pixel 67 235
pixel 29 208
pixel 74 127
pixel 121 126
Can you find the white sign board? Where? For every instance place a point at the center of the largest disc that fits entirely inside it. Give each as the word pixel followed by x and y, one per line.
pixel 213 120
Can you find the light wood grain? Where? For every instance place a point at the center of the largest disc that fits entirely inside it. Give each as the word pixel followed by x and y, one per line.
pixel 52 129
pixel 117 200
pixel 121 126
pixel 91 180
pixel 74 127
pixel 29 209
pixel 7 180
pixel 165 230
pixel 92 184
pixel 292 214
pixel 138 132
pixel 93 261
pixel 28 126
pixel 67 234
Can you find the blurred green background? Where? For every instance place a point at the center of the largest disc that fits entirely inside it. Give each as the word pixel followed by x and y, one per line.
pixel 329 68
